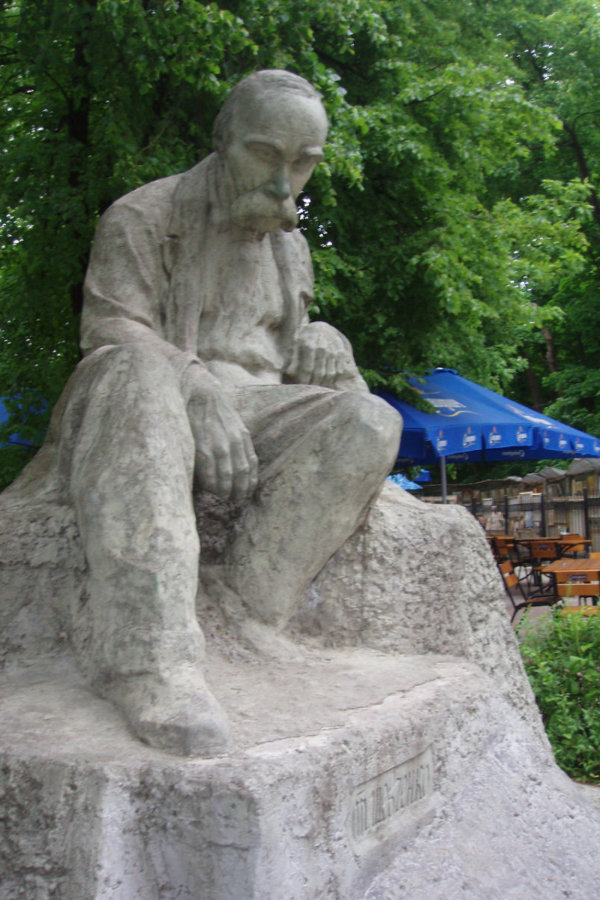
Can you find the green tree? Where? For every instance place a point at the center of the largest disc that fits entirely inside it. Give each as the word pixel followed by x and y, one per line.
pixel 425 251
pixel 556 46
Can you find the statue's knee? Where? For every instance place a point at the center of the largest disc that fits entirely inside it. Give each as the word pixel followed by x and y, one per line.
pixel 125 397
pixel 135 376
pixel 136 359
pixel 374 426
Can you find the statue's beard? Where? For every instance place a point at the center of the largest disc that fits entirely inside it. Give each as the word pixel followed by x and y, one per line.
pixel 259 211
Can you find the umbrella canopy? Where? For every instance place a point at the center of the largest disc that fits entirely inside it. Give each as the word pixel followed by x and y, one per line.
pixel 472 423
pixel 423 477
pixel 17 440
pixel 404 482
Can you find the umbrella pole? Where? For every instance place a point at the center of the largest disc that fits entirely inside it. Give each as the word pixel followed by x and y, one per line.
pixel 444 482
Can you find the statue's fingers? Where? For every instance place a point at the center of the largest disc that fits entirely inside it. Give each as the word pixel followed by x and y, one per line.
pixel 245 468
pixel 253 463
pixel 306 363
pixel 292 369
pixel 319 365
pixel 225 477
pixel 240 488
pixel 342 363
pixel 223 451
pixel 206 470
pixel 331 366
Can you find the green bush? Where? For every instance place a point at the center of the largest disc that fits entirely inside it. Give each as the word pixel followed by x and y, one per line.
pixel 562 660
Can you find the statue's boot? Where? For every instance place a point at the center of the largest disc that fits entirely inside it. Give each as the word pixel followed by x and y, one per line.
pixel 177 714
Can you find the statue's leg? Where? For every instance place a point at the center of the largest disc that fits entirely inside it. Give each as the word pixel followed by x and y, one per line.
pixel 323 458
pixel 128 448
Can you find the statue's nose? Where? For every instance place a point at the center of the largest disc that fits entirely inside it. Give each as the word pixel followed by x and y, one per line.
pixel 280 187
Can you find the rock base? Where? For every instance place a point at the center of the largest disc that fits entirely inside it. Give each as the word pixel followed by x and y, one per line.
pixel 356 774
pixel 387 746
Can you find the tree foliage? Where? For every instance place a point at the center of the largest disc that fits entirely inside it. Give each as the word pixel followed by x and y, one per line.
pixel 556 47
pixel 454 221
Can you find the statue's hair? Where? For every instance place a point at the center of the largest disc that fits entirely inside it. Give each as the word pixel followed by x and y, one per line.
pixel 252 86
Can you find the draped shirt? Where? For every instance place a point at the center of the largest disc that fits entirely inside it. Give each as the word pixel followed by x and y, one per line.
pixel 168 270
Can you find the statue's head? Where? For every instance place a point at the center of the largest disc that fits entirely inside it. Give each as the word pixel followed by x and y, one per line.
pixel 269 135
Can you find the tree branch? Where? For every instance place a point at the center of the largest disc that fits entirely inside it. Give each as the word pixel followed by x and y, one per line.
pixel 584 171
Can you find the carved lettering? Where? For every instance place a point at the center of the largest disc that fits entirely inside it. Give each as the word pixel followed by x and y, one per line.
pixel 375 802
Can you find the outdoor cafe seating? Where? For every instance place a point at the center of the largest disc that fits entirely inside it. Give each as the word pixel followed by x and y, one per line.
pixel 548 571
pixel 576 583
pixel 518 595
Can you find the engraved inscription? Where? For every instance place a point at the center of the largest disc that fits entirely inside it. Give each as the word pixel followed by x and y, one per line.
pixel 386 796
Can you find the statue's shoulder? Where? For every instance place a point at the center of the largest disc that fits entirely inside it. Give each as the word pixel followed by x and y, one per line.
pixel 149 201
pixel 174 201
pixel 150 208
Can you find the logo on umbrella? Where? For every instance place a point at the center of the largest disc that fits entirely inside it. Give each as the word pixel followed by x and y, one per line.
pixel 494 437
pixel 468 438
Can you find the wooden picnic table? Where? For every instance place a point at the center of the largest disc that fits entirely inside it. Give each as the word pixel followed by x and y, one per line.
pixel 565 541
pixel 573 577
pixel 541 548
pixel 570 566
pixel 534 553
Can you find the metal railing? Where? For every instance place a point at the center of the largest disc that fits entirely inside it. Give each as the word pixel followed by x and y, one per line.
pixel 536 514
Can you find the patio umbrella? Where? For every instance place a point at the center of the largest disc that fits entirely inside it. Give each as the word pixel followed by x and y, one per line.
pixel 17 439
pixel 404 482
pixel 472 423
pixel 423 477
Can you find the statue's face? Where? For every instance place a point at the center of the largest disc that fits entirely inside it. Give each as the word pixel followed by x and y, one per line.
pixel 275 144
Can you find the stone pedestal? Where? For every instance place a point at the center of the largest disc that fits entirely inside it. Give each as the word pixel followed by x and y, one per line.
pixel 387 747
pixel 356 775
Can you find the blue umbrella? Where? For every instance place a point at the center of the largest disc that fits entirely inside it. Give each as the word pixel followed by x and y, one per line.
pixel 423 477
pixel 16 440
pixel 472 423
pixel 404 482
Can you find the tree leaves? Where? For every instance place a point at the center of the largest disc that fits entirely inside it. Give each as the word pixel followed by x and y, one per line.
pixel 451 219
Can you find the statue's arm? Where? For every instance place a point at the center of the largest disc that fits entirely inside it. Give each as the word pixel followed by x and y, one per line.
pixel 125 282
pixel 122 305
pixel 320 354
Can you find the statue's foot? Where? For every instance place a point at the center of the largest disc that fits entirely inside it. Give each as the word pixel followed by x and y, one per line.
pixel 178 715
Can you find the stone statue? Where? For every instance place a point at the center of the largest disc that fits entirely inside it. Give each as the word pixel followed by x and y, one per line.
pixel 358 638
pixel 201 370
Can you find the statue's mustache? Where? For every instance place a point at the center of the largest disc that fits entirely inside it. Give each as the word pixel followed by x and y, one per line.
pixel 259 205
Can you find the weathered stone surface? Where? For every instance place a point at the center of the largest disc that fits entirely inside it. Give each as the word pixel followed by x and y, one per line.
pixel 418 578
pixel 42 571
pixel 413 579
pixel 376 718
pixel 517 828
pixel 370 776
pixel 200 367
pixel 413 765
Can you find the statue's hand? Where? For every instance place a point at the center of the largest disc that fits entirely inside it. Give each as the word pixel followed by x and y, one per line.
pixel 323 356
pixel 226 464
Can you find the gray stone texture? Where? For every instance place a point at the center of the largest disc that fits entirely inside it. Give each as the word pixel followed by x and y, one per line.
pixel 201 368
pixel 425 729
pixel 419 579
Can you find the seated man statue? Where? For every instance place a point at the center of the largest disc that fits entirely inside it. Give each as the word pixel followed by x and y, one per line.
pixel 202 370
